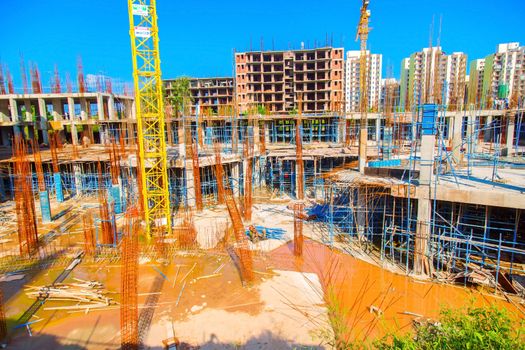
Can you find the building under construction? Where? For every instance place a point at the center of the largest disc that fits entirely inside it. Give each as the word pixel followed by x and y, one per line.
pixel 229 217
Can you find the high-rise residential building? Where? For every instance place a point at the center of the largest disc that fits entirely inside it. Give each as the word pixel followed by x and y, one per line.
pixel 455 76
pixel 277 79
pixel 504 75
pixel 352 80
pixel 403 82
pixel 213 95
pixel 427 72
pixel 389 95
pixel 475 86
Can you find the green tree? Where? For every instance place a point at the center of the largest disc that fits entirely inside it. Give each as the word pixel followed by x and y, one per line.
pixel 179 96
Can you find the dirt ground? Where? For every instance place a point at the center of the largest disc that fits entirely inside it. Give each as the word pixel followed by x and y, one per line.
pixel 200 299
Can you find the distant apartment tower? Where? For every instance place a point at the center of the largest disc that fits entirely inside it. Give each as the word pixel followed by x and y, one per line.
pixel 213 95
pixel 455 77
pixel 403 83
pixel 475 86
pixel 504 75
pixel 352 81
pixel 428 70
pixel 390 98
pixel 277 79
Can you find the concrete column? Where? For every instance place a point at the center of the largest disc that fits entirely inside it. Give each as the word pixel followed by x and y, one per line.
pixel 489 132
pixel 180 136
pixel 133 110
pixel 190 185
pixel 341 123
pixel 100 107
pixel 378 129
pixel 235 177
pixel 509 147
pixel 428 143
pixel 42 108
pixel 84 109
pixel 58 187
pixel 457 136
pixel 422 264
pixel 361 213
pixel 14 116
pixel 74 133
pixel 28 116
pixel 103 134
pixel 111 108
pixel 45 207
pixel 471 132
pixel 256 138
pixel 58 110
pixel 71 112
pixel 44 128
pixel 71 108
pixel 363 144
pixel 14 110
pixel 77 171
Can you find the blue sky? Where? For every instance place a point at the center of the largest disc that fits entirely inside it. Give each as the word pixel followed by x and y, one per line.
pixel 197 38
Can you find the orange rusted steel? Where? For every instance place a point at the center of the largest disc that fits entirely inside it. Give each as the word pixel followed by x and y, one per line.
pixel 299 158
pixel 219 174
pixel 80 77
pixel 106 225
pixel 38 165
pixel 56 87
pixel 248 197
pixel 298 229
pixel 24 203
pixel 262 136
pixel 2 80
pixel 129 316
pixel 89 234
pixel 196 175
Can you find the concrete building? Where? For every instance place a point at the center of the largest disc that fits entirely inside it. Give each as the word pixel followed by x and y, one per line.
pixel 475 86
pixel 389 95
pixel 455 76
pixel 214 95
pixel 504 76
pixel 97 115
pixel 403 82
pixel 424 79
pixel 275 79
pixel 352 80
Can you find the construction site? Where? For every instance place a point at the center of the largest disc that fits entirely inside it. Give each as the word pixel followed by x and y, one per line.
pixel 129 222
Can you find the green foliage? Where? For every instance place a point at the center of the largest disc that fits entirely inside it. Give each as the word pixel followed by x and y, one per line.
pixel 467 328
pixel 179 97
pixel 337 336
pixel 261 110
pixel 294 111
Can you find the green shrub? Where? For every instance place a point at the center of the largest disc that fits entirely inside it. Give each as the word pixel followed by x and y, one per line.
pixel 468 328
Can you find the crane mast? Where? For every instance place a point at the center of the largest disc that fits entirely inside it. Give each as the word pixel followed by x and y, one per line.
pixel 150 115
pixel 362 35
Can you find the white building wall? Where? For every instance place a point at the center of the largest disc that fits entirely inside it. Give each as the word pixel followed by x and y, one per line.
pixel 352 76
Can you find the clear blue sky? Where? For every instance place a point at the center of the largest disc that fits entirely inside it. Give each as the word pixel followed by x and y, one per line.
pixel 198 37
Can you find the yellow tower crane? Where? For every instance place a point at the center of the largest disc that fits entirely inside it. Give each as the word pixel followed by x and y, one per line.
pixel 144 35
pixel 362 35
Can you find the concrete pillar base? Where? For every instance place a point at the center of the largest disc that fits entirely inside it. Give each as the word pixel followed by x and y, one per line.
pixel 45 207
pixel 58 187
